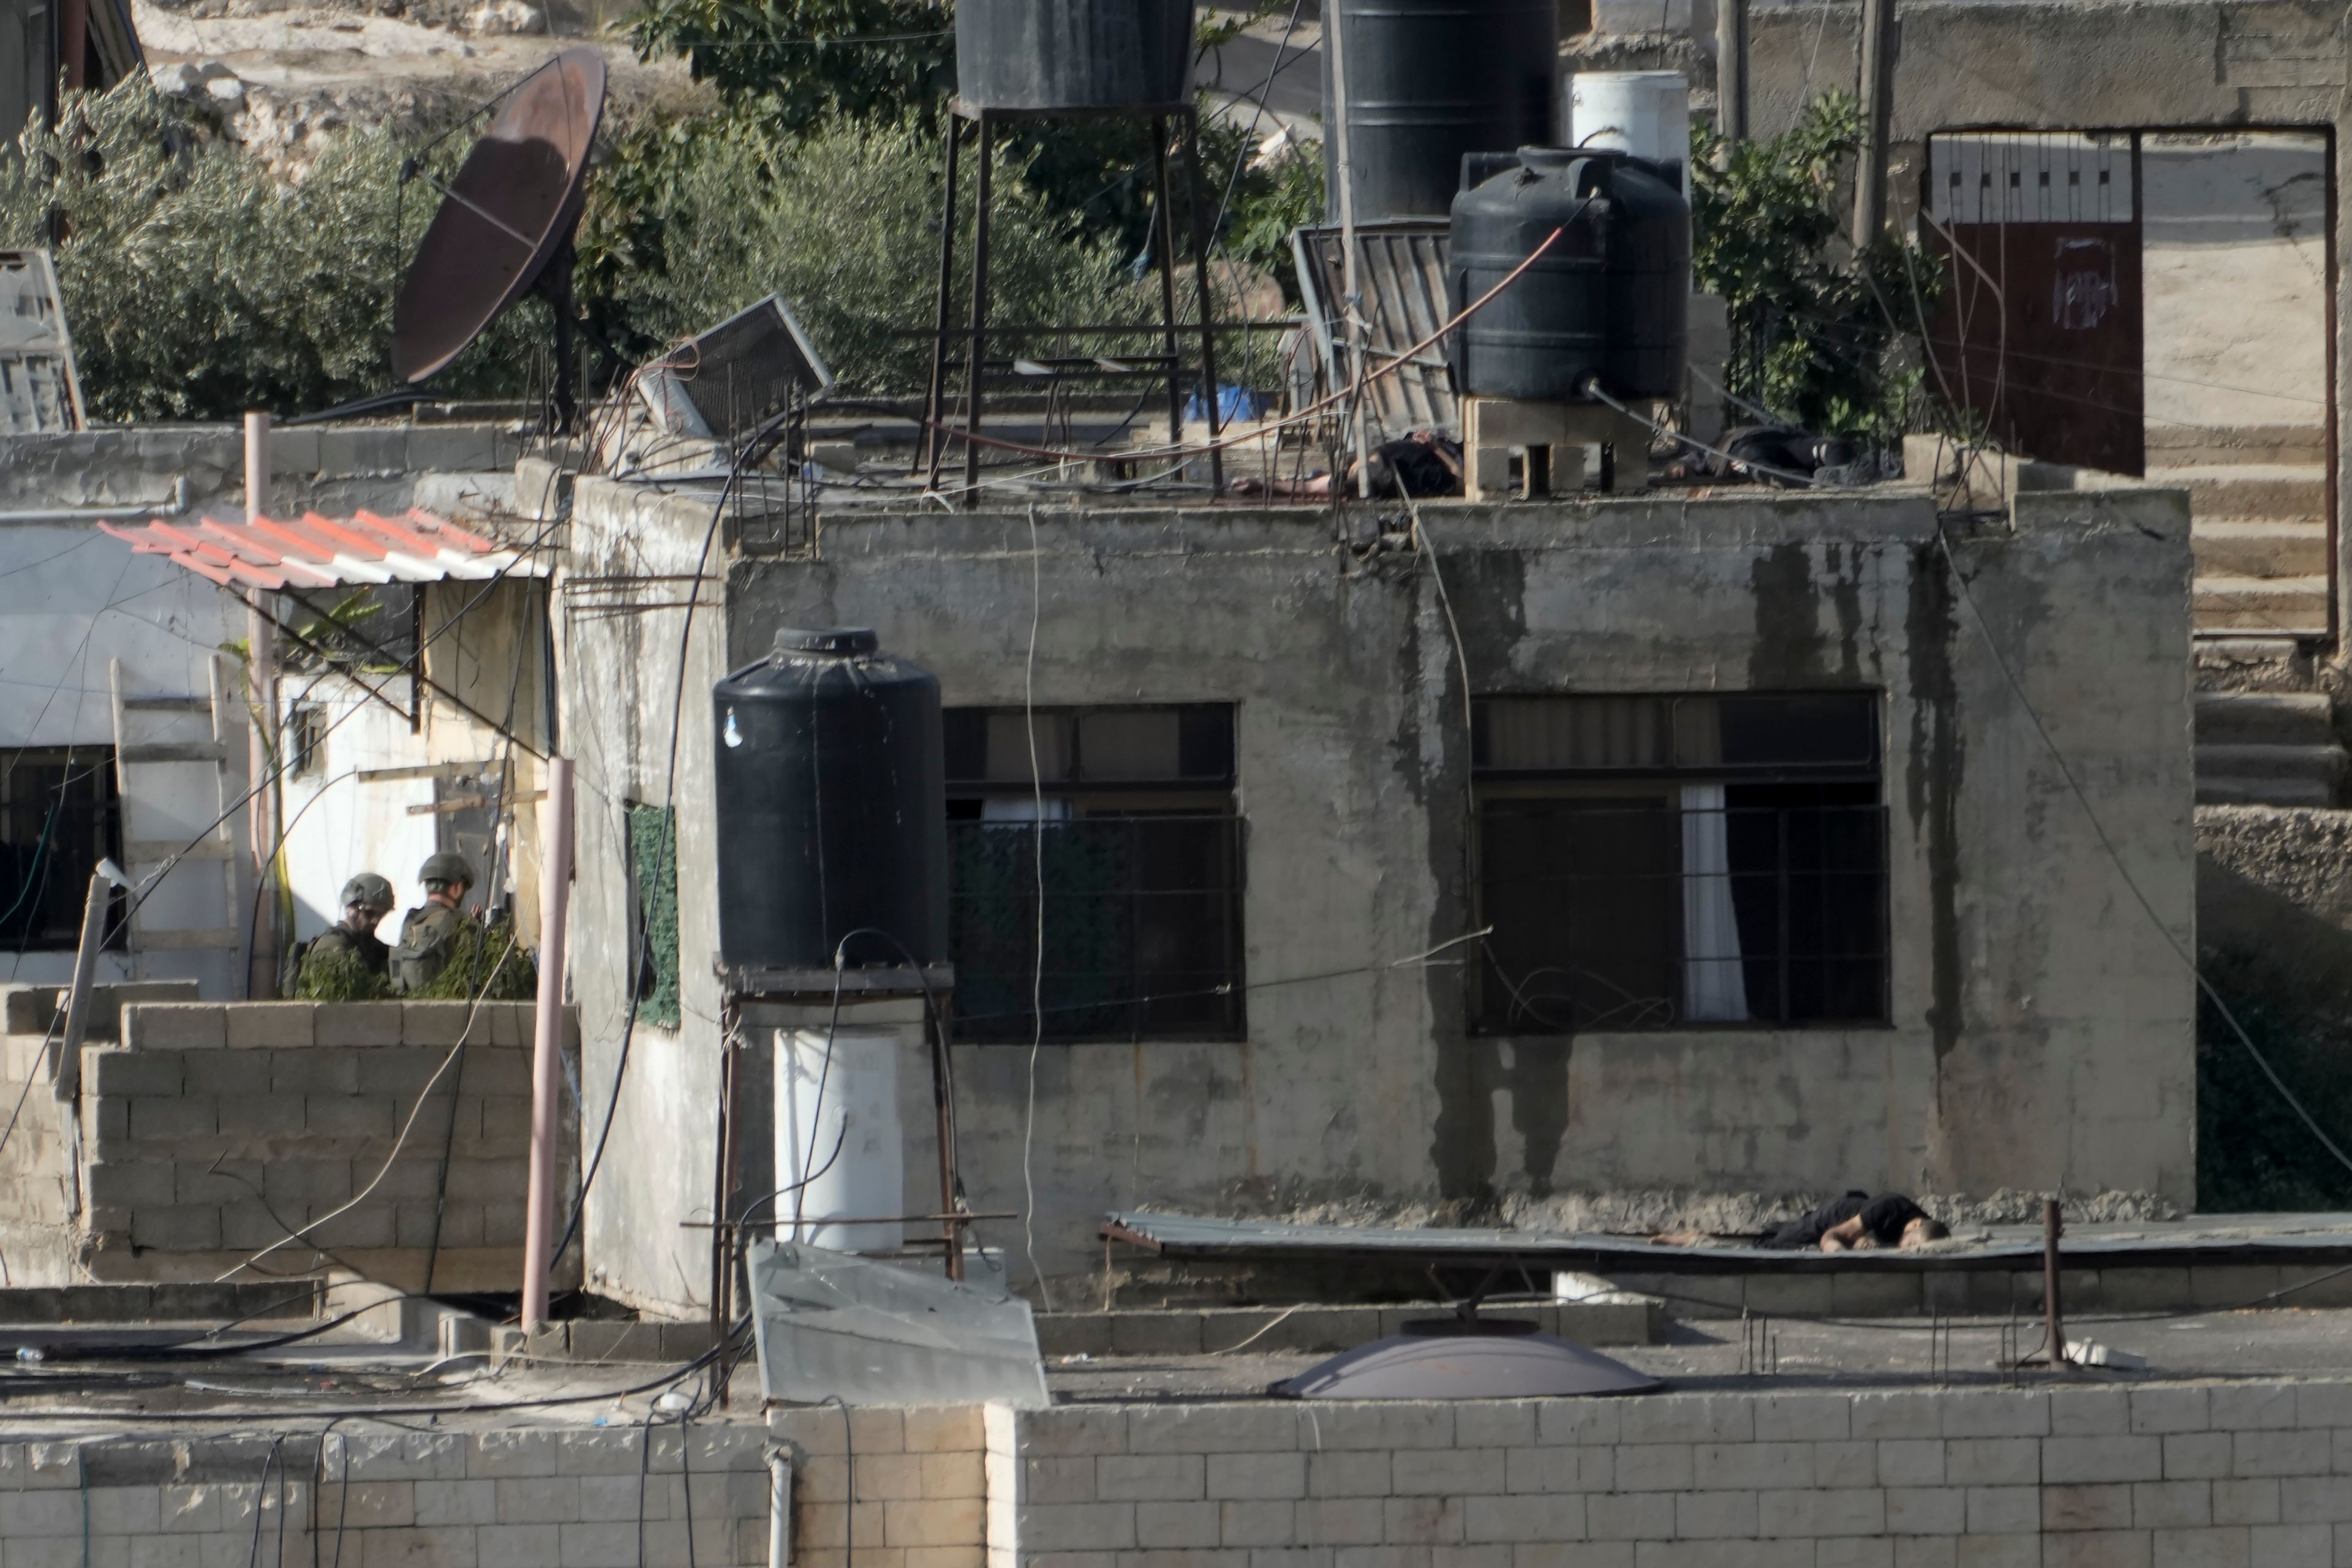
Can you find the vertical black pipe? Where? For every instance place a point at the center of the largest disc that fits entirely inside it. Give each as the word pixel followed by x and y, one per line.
pixel 934 446
pixel 977 351
pixel 1200 239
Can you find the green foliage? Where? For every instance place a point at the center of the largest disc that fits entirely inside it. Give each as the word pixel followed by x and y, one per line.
pixel 197 285
pixel 691 220
pixel 780 56
pixel 2254 1154
pixel 340 976
pixel 1819 334
pixel 1269 203
pixel 653 872
pixel 486 963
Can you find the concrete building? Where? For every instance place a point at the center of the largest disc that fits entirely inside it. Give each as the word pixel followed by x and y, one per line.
pixel 1787 891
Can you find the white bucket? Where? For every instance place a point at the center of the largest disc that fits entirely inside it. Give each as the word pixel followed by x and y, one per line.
pixel 859 1117
pixel 1646 114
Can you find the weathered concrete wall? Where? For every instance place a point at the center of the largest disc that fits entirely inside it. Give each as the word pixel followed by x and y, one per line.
pixel 211 1130
pixel 332 469
pixel 2040 1032
pixel 921 1486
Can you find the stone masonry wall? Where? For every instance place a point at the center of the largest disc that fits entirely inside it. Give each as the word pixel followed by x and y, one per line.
pixel 214 1128
pixel 583 1498
pixel 2256 1475
pixel 921 1482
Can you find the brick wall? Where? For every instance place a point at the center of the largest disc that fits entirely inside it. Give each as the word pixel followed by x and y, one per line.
pixel 482 1500
pixel 2252 1474
pixel 921 1487
pixel 213 1129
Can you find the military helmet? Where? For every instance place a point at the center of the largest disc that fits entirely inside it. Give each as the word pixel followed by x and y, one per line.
pixel 445 867
pixel 370 891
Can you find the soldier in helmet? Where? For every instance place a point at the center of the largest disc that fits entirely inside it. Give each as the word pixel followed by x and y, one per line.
pixel 428 934
pixel 367 898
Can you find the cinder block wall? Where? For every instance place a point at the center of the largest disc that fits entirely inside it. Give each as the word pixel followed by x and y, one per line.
pixel 214 1128
pixel 921 1487
pixel 2257 1474
pixel 580 1498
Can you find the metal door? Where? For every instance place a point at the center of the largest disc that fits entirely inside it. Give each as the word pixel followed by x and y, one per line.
pixel 2040 332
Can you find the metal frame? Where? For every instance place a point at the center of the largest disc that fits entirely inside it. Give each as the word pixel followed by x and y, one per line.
pixel 937 435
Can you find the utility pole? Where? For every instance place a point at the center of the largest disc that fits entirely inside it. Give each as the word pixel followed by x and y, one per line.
pixel 261 650
pixel 1335 30
pixel 1878 102
pixel 547 1048
pixel 1731 72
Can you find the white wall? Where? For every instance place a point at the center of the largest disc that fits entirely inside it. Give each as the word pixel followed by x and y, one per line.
pixel 338 825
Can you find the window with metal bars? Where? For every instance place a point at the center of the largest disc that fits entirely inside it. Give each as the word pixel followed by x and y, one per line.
pixel 59 815
pixel 1672 862
pixel 1126 818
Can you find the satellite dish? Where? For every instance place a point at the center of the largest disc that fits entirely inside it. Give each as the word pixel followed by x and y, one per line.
pixel 505 224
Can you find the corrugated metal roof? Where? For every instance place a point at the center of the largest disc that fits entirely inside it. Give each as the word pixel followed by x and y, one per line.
pixel 39 394
pixel 324 552
pixel 1400 267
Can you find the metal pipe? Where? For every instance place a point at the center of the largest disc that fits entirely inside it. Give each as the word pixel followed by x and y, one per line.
pixel 547 1041
pixel 1877 104
pixel 65 1071
pixel 1731 72
pixel 779 1507
pixel 1351 314
pixel 176 504
pixel 2053 1315
pixel 261 748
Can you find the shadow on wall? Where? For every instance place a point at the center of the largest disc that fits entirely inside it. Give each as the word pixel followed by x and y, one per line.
pixel 2281 960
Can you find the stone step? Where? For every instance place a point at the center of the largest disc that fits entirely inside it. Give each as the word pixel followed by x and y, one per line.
pixel 2282 606
pixel 2260 547
pixel 2237 774
pixel 2264 719
pixel 2176 444
pixel 2282 491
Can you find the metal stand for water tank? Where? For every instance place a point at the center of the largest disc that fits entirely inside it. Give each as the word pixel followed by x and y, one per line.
pixel 985 123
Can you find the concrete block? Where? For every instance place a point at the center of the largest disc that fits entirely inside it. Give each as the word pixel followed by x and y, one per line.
pixel 2221 1547
pixel 1839 1466
pixel 2294 1452
pixel 1911 1462
pixel 2161 1410
pixel 1077 1527
pixel 435 1022
pixel 954 1475
pixel 368 1505
pixel 1416 1521
pixel 1926 1552
pixel 1715 1418
pixel 890 1477
pixel 2072 1460
pixel 228 1183
pixel 2197 1456
pixel 1714 1515
pixel 2312 1499
pixel 1654 1466
pixel 1897 1416
pixel 2097 1549
pixel 2252 1406
pixel 256 1121
pixel 2091 1507
pixel 114 1070
pixel 1353 1474
pixel 513 1456
pixel 174 1227
pixel 2002 1510
pixel 944 1429
pixel 1058 1479
pixel 1450 1472
pixel 1242 1477
pixel 1803 1417
pixel 315 1070
pixel 145 1185
pixel 2291 1546
pixel 947 1522
pixel 1071 1430
pixel 1260 1522
pixel 1926 1511
pixel 1378 1425
pixel 222 1073
pixel 183 1118
pixel 461 1503
pixel 1853 1552
pixel 1996 1415
pixel 173 1026
pixel 1812 1512
pixel 820 1524
pixel 2257 1501
pixel 1532 1518
pixel 1752 1467
pixel 355 1024
pixel 2089 1412
pixel 341 1119
pixel 1508 1424
pixel 1561 1470
pixel 274 1024
pixel 518 1545
pixel 1578 1420
pixel 1176 1526
pixel 1992 1461
pixel 1619 1517
pixel 400 1073
pixel 2173 1505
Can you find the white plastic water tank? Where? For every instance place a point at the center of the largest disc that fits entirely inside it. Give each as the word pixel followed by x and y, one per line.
pixel 1646 114
pixel 846 1142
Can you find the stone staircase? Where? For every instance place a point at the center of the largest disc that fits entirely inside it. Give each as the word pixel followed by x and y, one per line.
pixel 2267 748
pixel 2258 496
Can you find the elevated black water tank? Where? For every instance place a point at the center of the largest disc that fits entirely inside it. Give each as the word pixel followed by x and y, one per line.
pixel 1429 80
pixel 1609 298
pixel 832 805
pixel 1073 54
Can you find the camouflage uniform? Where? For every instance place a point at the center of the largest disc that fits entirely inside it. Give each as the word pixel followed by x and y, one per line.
pixel 343 936
pixel 429 933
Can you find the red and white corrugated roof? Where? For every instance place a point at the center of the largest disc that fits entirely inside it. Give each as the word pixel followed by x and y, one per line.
pixel 326 553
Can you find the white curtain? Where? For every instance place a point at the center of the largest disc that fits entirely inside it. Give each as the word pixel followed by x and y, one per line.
pixel 1714 987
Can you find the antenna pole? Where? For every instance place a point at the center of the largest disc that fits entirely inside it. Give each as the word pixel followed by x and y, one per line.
pixel 1351 310
pixel 261 749
pixel 1877 105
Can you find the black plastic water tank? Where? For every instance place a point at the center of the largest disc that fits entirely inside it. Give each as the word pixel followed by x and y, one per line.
pixel 832 805
pixel 1609 300
pixel 1429 80
pixel 1073 54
